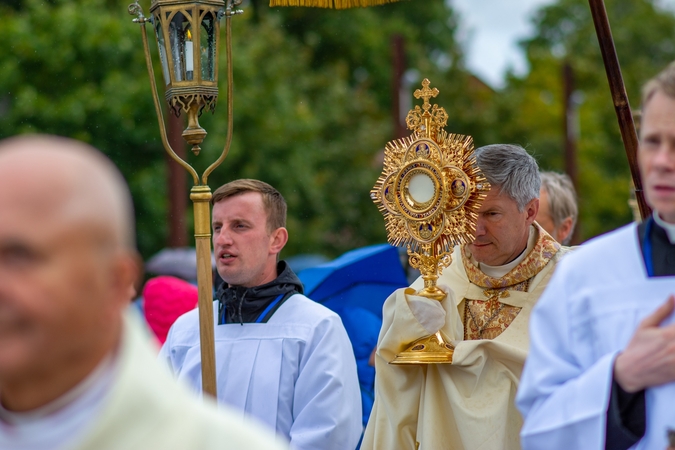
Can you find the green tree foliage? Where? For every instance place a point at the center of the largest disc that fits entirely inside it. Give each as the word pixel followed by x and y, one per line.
pixel 312 101
pixel 529 110
pixel 311 96
pixel 74 69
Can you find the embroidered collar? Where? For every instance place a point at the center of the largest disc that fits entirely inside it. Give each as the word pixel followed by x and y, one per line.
pixel 545 249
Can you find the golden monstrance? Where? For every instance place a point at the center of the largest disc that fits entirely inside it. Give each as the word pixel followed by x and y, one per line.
pixel 429 192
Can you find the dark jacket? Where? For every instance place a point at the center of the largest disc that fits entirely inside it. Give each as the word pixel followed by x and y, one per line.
pixel 237 304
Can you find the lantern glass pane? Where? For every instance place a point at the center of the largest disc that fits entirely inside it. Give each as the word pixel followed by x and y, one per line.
pixel 208 46
pixel 182 50
pixel 162 50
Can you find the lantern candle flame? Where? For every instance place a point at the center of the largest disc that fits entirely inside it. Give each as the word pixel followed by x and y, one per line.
pixel 189 57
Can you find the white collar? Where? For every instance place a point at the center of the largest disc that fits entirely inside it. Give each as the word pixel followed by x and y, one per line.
pixel 669 227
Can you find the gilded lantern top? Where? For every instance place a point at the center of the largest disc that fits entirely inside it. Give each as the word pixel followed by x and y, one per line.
pixel 430 188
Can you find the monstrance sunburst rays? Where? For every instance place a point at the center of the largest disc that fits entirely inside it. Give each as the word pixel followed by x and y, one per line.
pixel 447 216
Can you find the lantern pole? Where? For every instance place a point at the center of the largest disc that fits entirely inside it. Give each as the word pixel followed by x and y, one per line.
pixel 200 195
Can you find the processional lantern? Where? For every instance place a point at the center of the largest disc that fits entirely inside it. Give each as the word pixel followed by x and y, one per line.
pixel 187 35
pixel 429 192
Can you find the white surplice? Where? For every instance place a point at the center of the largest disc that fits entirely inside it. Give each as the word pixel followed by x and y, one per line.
pixel 296 373
pixel 588 313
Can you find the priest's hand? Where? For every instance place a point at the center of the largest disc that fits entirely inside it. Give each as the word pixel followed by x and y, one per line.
pixel 649 358
pixel 429 313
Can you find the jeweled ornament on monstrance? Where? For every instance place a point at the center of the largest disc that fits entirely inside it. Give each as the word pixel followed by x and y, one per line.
pixel 429 193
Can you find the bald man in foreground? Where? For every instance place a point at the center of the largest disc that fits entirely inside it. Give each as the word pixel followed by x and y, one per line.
pixel 74 372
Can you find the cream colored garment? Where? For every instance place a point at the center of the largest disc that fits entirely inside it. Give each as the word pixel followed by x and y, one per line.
pixel 468 404
pixel 148 409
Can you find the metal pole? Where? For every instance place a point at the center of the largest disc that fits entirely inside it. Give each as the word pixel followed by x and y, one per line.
pixel 200 196
pixel 619 97
pixel 200 193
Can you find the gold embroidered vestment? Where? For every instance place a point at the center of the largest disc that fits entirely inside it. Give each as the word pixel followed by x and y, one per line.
pixel 487 319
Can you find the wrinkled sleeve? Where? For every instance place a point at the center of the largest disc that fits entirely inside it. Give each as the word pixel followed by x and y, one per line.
pixel 393 420
pixel 563 394
pixel 327 399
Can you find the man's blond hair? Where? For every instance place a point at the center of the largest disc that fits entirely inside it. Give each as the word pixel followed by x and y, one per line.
pixel 663 82
pixel 273 201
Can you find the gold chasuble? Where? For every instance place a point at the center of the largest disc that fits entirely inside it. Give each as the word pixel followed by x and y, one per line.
pixel 468 404
pixel 487 319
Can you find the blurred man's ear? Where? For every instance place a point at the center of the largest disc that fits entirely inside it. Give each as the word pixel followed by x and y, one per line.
pixel 565 229
pixel 126 271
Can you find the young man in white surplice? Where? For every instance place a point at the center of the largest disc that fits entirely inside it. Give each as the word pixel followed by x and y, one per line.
pixel 280 357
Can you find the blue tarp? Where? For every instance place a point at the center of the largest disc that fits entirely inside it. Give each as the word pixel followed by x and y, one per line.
pixel 363 278
pixel 355 285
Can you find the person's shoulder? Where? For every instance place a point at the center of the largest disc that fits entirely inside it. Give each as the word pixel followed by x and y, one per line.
pixel 216 425
pixel 200 423
pixel 603 259
pixel 147 408
pixel 185 330
pixel 301 307
pixel 605 246
pixel 188 320
pixel 308 319
pixel 562 252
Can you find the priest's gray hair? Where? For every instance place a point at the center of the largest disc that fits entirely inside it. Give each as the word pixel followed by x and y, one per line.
pixel 512 170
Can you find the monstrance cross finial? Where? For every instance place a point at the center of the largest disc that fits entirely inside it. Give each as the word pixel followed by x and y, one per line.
pixel 426 93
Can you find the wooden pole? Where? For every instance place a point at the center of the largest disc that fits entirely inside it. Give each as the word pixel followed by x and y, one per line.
pixel 569 125
pixel 570 129
pixel 398 68
pixel 619 97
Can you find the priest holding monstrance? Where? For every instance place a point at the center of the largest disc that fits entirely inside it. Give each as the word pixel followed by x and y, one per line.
pixel 452 346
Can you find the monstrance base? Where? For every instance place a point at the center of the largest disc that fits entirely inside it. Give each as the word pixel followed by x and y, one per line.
pixel 432 349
